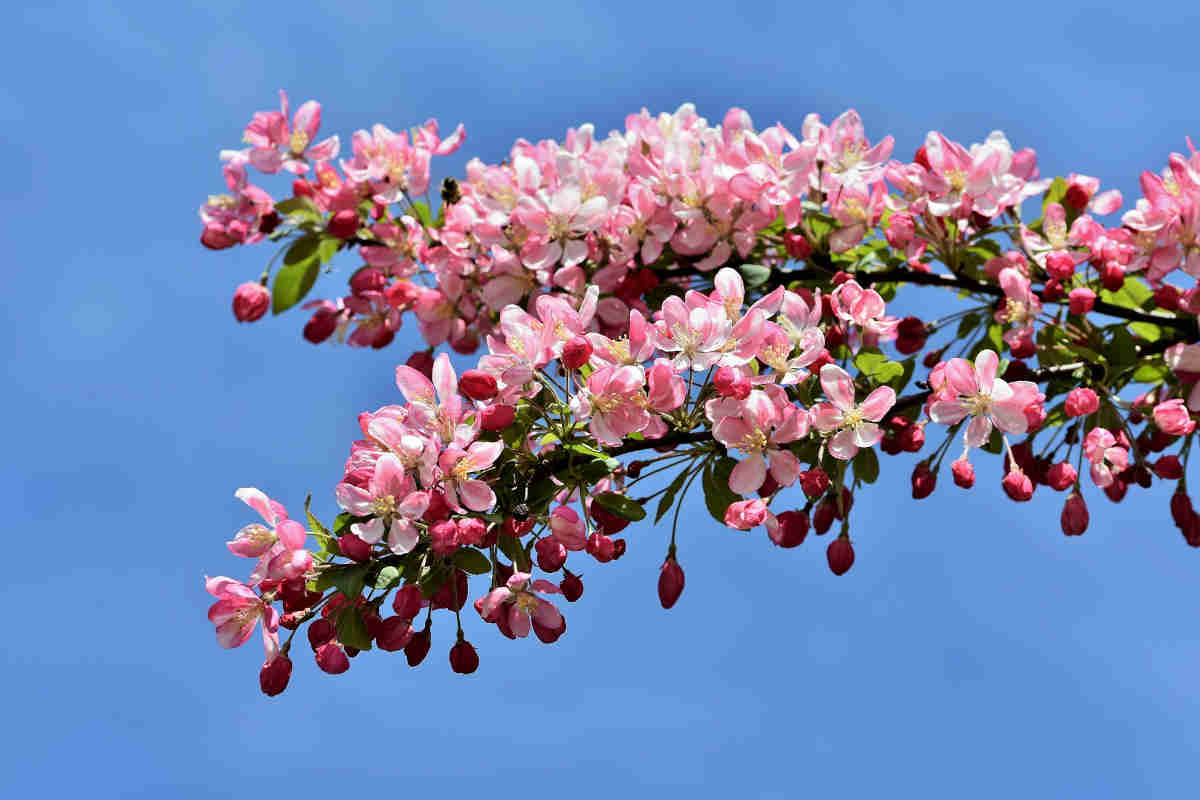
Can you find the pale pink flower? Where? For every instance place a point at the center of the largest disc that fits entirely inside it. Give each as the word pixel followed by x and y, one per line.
pixel 697 335
pixel 518 594
pixel 457 465
pixel 1172 418
pixel 614 402
pixel 1106 457
pixel 277 146
pixel 568 528
pixel 390 500
pixel 255 539
pixel 237 610
pixel 975 391
pixel 852 426
pixel 760 423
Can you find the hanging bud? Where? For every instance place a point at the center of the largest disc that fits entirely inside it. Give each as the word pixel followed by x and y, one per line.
pixel 730 382
pixel 600 547
pixel 912 438
pixel 354 548
pixel 394 633
pixel 788 529
pixel 670 582
pixel 418 646
pixel 911 335
pixel 548 635
pixel 251 301
pixel 1061 476
pixel 463 658
pixel 551 555
pixel 274 676
pixel 320 632
pixel 1116 490
pixel 1181 510
pixel 963 472
pixel 1074 515
pixel 408 602
pixel 608 522
pixel 924 480
pixel 443 538
pixel 814 482
pixel 571 586
pixel 1168 468
pixel 332 658
pixel 824 515
pixel 497 418
pixel 1017 485
pixel 1081 300
pixel 840 555
pixel 478 385
pixel 344 224
pixel 576 352
pixel 797 246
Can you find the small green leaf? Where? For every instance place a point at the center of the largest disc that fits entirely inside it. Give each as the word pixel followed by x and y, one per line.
pixel 313 522
pixel 1151 372
pixel 421 211
pixel 350 579
pixel 301 263
pixel 668 498
pixel 754 275
pixel 472 561
pixel 301 208
pixel 718 497
pixel 866 465
pixel 620 505
pixel 1055 194
pixel 388 577
pixel 1147 330
pixel 352 629
pixel 328 247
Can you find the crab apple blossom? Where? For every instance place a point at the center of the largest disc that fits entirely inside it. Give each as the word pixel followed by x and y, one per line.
pixel 702 305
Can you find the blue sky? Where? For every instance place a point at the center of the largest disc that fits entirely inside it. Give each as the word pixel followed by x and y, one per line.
pixel 973 650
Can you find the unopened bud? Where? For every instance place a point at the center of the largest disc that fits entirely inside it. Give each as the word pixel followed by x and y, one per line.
pixel 670 582
pixel 576 352
pixel 963 472
pixel 924 480
pixel 463 658
pixel 332 658
pixel 418 646
pixel 274 676
pixel 250 301
pixel 840 555
pixel 571 586
pixel 478 385
pixel 789 529
pixel 394 633
pixel 1074 515
pixel 1017 486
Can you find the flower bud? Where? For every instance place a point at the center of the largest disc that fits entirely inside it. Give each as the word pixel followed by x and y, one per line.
pixel 600 547
pixel 463 658
pixel 496 418
pixel 670 582
pixel 730 382
pixel 478 385
pixel 1081 300
pixel 1017 485
pixel 321 326
pixel 1060 265
pixel 1168 468
pixel 814 482
pixel 354 548
pixel 911 335
pixel 576 352
pixel 746 514
pixel 1173 419
pixel 344 224
pixel 320 632
pixel 1081 402
pixel 367 279
pixel 900 230
pixel 1116 490
pixel 443 537
pixel 912 438
pixel 452 594
pixel 840 555
pixel 274 676
pixel 608 522
pixel 1074 517
pixel 963 472
pixel 408 602
pixel 1112 275
pixel 1053 291
pixel 302 188
pixel 924 480
pixel 797 246
pixel 571 586
pixel 332 658
pixel 824 515
pixel 1166 297
pixel 789 528
pixel 418 646
pixel 393 633
pixel 438 508
pixel 1060 476
pixel 619 548
pixel 422 362
pixel 470 531
pixel 251 301
pixel 1181 509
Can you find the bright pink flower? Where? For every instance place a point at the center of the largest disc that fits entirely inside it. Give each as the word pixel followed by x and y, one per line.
pixel 1101 450
pixel 523 605
pixel 254 540
pixel 855 426
pixel 614 401
pixel 237 610
pixel 697 334
pixel 457 465
pixel 568 528
pixel 975 391
pixel 392 503
pixel 269 131
pixel 1172 418
pixel 758 426
pixel 1081 402
pixel 746 514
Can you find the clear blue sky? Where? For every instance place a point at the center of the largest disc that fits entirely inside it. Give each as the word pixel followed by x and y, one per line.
pixel 972 651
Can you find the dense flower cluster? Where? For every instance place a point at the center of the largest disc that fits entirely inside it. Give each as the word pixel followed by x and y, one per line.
pixel 690 302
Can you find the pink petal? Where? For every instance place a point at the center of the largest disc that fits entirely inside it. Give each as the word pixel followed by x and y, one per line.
pixel 748 475
pixel 292 534
pixel 986 364
pixel 838 386
pixel 878 403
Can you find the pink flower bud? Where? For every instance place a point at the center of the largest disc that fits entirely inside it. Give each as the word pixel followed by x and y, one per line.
pixel 600 547
pixel 497 418
pixel 814 482
pixel 576 352
pixel 608 522
pixel 912 438
pixel 394 633
pixel 320 632
pixel 251 301
pixel 1052 292
pixel 571 586
pixel 463 658
pixel 1060 265
pixel 788 529
pixel 900 230
pixel 1017 486
pixel 1061 476
pixel 1112 275
pixel 367 279
pixel 1074 517
pixel 418 646
pixel 1081 300
pixel 911 335
pixel 797 246
pixel 274 676
pixel 548 635
pixel 408 602
pixel 1172 418
pixel 478 385
pixel 824 515
pixel 924 481
pixel 353 547
pixel 438 508
pixel 670 582
pixel 840 555
pixel 730 382
pixel 746 514
pixel 470 531
pixel 344 224
pixel 422 362
pixel 321 326
pixel 1081 402
pixel 452 594
pixel 444 537
pixel 963 472
pixel 1166 297
pixel 551 555
pixel 1168 468
pixel 332 658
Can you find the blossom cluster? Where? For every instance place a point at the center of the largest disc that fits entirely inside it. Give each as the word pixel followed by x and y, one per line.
pixel 716 302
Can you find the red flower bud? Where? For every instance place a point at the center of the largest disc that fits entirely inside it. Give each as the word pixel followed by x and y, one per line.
pixel 1060 265
pixel 274 676
pixel 789 529
pixel 548 635
pixel 497 418
pixel 320 632
pixel 367 279
pixel 1181 510
pixel 551 555
pixel 321 326
pixel 1112 275
pixel 354 547
pixel 576 352
pixel 911 335
pixel 394 633
pixel 478 385
pixel 619 548
pixel 824 515
pixel 840 555
pixel 1060 476
pixel 517 528
pixel 251 301
pixel 471 531
pixel 332 658
pixel 814 482
pixel 1053 291
pixel 608 522
pixel 797 246
pixel 1166 297
pixel 963 472
pixel 1017 485
pixel 1077 197
pixel 443 537
pixel 344 224
pixel 463 658
pixel 600 547
pixel 418 646
pixel 438 509
pixel 730 382
pixel 1081 402
pixel 1116 490
pixel 452 594
pixel 1082 300
pixel 422 362
pixel 912 438
pixel 571 586
pixel 1074 517
pixel 1168 468
pixel 924 481
pixel 670 582
pixel 408 602
pixel 302 188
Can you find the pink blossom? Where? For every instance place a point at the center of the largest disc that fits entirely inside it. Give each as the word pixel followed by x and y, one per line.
pixel 457 465
pixel 269 131
pixel 853 426
pixel 392 503
pixel 520 604
pixel 975 391
pixel 758 426
pixel 614 403
pixel 1106 457
pixel 746 514
pixel 568 528
pixel 237 610
pixel 1172 418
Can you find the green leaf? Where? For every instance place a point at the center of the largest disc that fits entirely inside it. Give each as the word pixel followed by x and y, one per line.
pixel 511 547
pixel 1151 372
pixel 1147 330
pixel 1134 293
pixel 754 274
pixel 302 208
pixel 876 366
pixel 350 579
pixel 1123 349
pixel 900 381
pixel 718 497
pixel 313 522
pixel 472 561
pixel 967 324
pixel 1055 194
pixel 352 629
pixel 421 211
pixel 595 470
pixel 866 465
pixel 301 263
pixel 328 247
pixel 668 498
pixel 388 577
pixel 995 443
pixel 620 505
